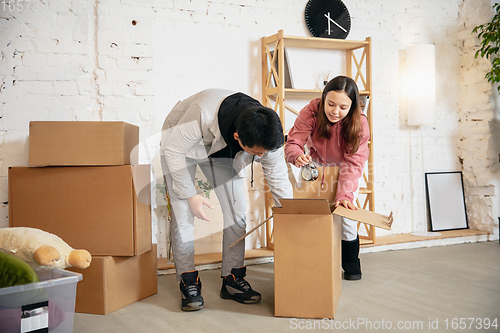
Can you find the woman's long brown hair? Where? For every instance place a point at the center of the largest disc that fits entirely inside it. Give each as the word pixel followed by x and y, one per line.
pixel 352 129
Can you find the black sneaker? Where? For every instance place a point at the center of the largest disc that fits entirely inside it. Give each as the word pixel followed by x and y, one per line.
pixel 191 291
pixel 235 287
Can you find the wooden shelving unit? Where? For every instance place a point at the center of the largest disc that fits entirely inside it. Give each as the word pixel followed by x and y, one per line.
pixel 274 95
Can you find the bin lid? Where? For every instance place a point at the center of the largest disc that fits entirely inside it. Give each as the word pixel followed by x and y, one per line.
pixel 53 277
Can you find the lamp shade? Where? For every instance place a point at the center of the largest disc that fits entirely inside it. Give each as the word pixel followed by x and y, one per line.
pixel 421 78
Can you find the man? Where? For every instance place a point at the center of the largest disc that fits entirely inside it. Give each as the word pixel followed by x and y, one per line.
pixel 221 132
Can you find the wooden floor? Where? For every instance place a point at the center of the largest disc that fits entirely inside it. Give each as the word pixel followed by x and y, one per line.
pixel 213 258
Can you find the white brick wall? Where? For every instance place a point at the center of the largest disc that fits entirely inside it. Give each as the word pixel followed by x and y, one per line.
pixel 479 112
pixel 71 61
pixel 80 60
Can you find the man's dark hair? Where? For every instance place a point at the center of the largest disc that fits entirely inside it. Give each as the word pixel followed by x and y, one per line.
pixel 258 126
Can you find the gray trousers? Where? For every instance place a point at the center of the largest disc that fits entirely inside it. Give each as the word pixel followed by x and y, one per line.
pixel 229 188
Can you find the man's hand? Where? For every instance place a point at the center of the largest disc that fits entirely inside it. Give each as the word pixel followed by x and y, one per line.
pixel 346 204
pixel 196 203
pixel 303 160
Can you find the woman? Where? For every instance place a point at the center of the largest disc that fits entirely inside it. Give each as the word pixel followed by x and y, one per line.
pixel 336 133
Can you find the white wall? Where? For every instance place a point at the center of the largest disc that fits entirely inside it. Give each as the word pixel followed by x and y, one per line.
pixel 479 127
pixel 81 60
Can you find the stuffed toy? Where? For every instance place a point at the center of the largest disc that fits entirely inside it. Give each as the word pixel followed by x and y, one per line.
pixel 41 250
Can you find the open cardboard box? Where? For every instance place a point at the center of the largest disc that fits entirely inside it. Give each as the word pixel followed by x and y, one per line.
pixel 307 246
pixel 307 255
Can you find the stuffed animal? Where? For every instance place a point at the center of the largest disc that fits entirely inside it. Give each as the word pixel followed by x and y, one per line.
pixel 41 250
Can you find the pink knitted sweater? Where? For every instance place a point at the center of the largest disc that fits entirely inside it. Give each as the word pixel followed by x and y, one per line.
pixel 329 152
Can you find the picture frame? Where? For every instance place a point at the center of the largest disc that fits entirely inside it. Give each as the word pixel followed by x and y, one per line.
pixel 446 201
pixel 364 101
pixel 288 74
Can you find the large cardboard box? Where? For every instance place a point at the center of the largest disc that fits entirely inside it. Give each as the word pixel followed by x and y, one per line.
pixel 92 208
pixel 78 143
pixel 111 283
pixel 307 255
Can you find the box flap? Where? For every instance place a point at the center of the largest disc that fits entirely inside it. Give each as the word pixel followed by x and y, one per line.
pixel 366 216
pixel 303 206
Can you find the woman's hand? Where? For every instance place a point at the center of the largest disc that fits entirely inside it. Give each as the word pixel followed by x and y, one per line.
pixel 346 204
pixel 196 203
pixel 302 160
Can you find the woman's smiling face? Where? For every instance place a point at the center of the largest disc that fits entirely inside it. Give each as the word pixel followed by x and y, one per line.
pixel 337 105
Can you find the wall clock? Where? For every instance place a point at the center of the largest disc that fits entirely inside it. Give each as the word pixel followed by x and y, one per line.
pixel 328 19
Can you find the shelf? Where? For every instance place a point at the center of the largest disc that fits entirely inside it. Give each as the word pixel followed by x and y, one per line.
pixel 303 93
pixel 306 93
pixel 364 191
pixel 358 66
pixel 320 43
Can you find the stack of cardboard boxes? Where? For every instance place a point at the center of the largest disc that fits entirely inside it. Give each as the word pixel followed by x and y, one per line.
pixel 84 185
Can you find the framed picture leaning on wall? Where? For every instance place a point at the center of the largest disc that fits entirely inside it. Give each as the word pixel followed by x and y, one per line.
pixel 446 201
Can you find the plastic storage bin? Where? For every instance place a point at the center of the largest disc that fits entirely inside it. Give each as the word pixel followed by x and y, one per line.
pixel 48 305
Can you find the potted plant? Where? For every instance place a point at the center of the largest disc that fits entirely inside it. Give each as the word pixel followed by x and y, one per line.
pixel 489 34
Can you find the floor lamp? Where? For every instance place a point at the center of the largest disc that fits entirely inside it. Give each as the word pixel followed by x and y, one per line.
pixel 421 78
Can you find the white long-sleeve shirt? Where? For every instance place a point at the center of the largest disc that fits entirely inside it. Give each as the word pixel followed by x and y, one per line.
pixel 191 130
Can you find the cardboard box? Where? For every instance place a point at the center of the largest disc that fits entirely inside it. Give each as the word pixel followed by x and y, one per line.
pixel 64 143
pixel 111 283
pixel 92 208
pixel 307 256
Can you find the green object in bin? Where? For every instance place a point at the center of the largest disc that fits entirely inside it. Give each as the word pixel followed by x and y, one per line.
pixel 14 271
